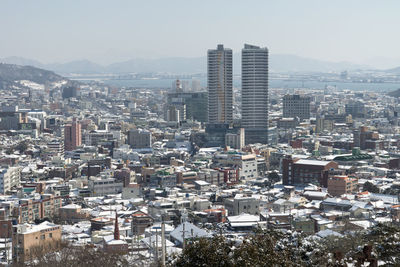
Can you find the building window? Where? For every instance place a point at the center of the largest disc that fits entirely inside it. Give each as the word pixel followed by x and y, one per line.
pixel 51 235
pixel 42 237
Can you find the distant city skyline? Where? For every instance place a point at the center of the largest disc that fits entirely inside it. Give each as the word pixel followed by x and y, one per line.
pixel 359 31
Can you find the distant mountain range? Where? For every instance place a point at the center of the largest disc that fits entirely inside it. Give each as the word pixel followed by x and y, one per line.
pixel 395 93
pixel 180 65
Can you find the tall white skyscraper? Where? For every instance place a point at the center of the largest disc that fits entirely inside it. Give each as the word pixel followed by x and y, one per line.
pixel 255 93
pixel 219 82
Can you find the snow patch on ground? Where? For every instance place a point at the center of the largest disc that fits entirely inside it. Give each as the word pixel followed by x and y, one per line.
pixel 59 84
pixel 32 85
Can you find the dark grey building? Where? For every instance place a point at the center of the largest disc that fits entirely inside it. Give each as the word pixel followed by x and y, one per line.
pixel 193 105
pixel 296 106
pixel 356 109
pixel 139 139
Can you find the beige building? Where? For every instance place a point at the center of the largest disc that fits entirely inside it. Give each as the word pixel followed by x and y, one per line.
pixel 30 240
pixel 339 185
pixel 73 213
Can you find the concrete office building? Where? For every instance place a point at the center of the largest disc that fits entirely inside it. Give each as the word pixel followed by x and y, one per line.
pixel 93 138
pixel 139 138
pixel 296 106
pixel 255 93
pixel 11 118
pixel 173 114
pixel 102 187
pixel 235 140
pixel 219 82
pixel 356 109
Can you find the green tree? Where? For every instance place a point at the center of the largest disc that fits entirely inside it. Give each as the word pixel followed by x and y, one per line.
pixel 274 177
pixel 277 248
pixel 22 147
pixel 370 187
pixel 385 240
pixel 263 248
pixel 206 252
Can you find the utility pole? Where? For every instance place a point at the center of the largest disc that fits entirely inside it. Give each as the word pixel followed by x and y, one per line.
pixel 163 244
pixel 6 244
pixel 157 244
pixel 183 236
pixel 132 241
pixel 151 244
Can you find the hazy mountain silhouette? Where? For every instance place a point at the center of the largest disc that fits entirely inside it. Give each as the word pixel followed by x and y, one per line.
pixel 77 66
pixel 181 65
pixel 22 61
pixel 394 70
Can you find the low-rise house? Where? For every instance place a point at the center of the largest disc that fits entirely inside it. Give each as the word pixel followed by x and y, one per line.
pixel 187 231
pixel 201 185
pixel 315 195
pixel 283 205
pixel 243 222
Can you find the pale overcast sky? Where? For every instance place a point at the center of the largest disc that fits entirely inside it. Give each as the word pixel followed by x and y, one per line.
pixel 107 31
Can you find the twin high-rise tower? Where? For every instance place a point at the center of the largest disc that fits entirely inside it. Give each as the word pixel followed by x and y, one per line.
pixel 255 94
pixel 254 90
pixel 219 83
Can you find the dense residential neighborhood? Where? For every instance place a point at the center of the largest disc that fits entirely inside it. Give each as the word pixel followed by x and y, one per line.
pixel 141 172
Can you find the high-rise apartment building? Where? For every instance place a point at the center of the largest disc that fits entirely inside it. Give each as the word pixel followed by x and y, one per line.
pixel 255 93
pixel 219 82
pixel 72 135
pixel 9 178
pixel 296 106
